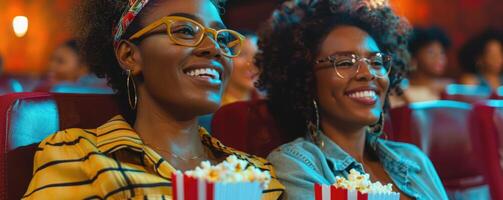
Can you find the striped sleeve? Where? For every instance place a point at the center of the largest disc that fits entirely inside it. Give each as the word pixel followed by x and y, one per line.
pixel 57 169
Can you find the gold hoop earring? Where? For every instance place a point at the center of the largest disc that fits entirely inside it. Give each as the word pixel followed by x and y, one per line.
pixel 130 81
pixel 314 128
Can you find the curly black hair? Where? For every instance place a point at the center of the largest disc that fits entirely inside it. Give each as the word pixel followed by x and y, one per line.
pixel 291 39
pixel 422 37
pixel 474 48
pixel 95 21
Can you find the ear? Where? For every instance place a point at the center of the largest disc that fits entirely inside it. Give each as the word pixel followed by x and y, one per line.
pixel 129 57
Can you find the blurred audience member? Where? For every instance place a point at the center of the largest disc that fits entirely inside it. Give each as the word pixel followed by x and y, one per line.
pixel 65 64
pixel 482 59
pixel 241 86
pixel 427 47
pixel 67 71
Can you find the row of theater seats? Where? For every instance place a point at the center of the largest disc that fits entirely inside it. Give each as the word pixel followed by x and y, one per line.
pixel 470 93
pixel 463 140
pixel 27 84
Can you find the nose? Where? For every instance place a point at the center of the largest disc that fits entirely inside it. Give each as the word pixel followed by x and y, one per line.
pixel 208 47
pixel 365 71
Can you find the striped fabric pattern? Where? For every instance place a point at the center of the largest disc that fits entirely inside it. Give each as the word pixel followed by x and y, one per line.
pixel 111 162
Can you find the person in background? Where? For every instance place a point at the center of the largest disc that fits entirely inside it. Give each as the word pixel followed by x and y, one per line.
pixel 67 73
pixel 65 64
pixel 328 67
pixel 241 85
pixel 427 47
pixel 482 59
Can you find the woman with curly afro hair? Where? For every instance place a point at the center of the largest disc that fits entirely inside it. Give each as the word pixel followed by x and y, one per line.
pixel 481 57
pixel 168 61
pixel 328 67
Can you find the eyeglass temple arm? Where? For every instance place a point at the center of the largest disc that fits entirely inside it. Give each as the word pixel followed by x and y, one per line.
pixel 147 29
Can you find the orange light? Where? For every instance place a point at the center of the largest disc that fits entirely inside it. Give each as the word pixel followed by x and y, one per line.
pixel 20 25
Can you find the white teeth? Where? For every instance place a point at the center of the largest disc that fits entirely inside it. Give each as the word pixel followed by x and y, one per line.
pixel 363 94
pixel 204 72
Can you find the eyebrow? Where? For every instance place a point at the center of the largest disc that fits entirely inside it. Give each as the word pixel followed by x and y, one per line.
pixel 219 25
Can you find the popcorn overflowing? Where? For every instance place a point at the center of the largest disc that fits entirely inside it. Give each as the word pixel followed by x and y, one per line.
pixel 232 170
pixel 362 183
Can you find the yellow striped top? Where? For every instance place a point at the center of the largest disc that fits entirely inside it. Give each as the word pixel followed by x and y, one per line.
pixel 111 162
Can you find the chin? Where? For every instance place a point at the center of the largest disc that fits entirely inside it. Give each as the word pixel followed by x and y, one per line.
pixel 207 106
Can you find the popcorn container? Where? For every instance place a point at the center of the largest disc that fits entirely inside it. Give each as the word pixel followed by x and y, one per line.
pixel 327 192
pixel 189 188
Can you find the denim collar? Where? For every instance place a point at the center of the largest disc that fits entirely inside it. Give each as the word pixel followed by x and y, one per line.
pixel 398 167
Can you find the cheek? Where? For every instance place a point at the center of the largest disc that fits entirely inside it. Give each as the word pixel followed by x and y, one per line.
pixel 384 84
pixel 328 87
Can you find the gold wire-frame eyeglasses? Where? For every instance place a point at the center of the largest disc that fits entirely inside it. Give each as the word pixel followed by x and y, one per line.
pixel 346 64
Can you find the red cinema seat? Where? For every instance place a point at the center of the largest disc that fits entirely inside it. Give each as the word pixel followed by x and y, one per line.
pixel 248 126
pixel 487 135
pixel 27 118
pixel 441 130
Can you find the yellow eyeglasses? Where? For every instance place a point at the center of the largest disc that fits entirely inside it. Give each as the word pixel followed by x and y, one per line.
pixel 187 32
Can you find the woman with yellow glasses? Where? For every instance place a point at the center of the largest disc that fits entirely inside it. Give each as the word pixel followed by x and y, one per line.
pixel 168 62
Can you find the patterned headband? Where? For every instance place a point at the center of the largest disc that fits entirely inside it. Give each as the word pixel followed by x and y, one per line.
pixel 134 7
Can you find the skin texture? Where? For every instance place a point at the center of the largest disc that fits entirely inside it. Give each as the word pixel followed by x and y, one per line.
pixel 431 60
pixel 169 100
pixel 343 119
pixel 65 66
pixel 245 72
pixel 492 59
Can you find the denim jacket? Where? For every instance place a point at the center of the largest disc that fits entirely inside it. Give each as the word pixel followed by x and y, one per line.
pixel 301 163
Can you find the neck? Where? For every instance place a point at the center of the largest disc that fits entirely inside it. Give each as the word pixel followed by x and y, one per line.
pixel 161 129
pixel 236 92
pixel 421 79
pixel 351 140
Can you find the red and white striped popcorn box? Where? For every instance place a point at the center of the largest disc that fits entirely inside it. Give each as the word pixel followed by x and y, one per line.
pixel 328 192
pixel 189 188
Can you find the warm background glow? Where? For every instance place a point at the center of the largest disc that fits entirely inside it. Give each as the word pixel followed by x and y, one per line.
pixel 49 24
pixel 48 27
pixel 20 25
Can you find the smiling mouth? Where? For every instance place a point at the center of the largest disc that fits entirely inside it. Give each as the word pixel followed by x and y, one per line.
pixel 367 97
pixel 209 74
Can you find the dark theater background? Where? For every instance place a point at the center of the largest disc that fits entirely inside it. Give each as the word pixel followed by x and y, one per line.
pixel 50 23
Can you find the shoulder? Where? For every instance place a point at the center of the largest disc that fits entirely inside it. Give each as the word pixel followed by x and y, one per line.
pixel 74 137
pixel 58 159
pixel 403 149
pixel 410 152
pixel 299 151
pixel 67 144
